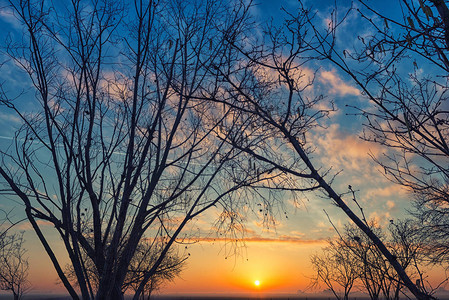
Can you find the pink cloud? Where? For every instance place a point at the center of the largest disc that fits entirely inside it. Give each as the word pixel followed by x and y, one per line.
pixel 342 150
pixel 27 225
pixel 258 239
pixel 391 204
pixel 337 85
pixel 387 191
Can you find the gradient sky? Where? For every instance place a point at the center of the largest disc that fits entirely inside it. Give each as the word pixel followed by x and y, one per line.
pixel 279 256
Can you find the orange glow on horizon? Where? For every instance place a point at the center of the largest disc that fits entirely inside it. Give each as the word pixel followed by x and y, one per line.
pixel 239 274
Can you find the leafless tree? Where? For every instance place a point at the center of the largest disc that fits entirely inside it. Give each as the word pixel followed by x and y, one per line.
pixel 13 264
pixel 411 117
pixel 401 66
pixel 366 259
pixel 116 143
pixel 335 268
pixel 144 258
pixel 272 89
pixel 366 264
pixel 377 275
pixel 148 120
pixel 146 254
pixel 13 260
pixel 410 246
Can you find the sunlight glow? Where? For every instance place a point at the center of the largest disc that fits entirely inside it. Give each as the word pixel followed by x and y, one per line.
pixel 257 283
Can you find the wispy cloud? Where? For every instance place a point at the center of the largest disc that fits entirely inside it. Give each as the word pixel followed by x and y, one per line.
pixel 9 118
pixel 344 150
pixel 258 239
pixel 387 191
pixel 337 85
pixel 7 16
pixel 27 225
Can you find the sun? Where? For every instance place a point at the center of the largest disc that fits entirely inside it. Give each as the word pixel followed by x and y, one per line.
pixel 257 283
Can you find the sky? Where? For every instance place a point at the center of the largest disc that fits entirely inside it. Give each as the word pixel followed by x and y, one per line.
pixel 278 257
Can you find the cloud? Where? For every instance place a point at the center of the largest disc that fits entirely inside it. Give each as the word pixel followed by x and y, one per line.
pixel 387 191
pixel 343 150
pixel 337 85
pixel 9 118
pixel 258 239
pixel 381 218
pixel 7 16
pixel 301 75
pixel 27 225
pixel 391 204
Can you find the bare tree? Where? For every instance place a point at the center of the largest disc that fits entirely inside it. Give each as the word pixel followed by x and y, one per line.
pixel 144 258
pixel 366 259
pixel 335 268
pixel 401 66
pixel 118 144
pixel 411 115
pixel 366 264
pixel 377 275
pixel 13 260
pixel 409 246
pixel 129 133
pixel 147 252
pixel 13 265
pixel 271 88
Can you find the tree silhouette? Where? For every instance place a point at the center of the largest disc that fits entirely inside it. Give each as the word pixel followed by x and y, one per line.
pixel 271 87
pixel 115 144
pixel 335 268
pixel 401 67
pixel 13 262
pixel 353 260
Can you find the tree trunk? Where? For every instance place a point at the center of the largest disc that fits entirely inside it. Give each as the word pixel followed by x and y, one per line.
pixel 379 244
pixel 339 201
pixel 115 293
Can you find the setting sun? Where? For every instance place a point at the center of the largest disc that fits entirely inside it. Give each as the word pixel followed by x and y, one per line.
pixel 257 283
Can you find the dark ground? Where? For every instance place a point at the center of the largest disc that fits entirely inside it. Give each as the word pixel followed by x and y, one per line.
pixel 190 297
pixel 199 297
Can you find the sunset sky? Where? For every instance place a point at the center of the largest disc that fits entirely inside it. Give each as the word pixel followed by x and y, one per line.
pixel 277 257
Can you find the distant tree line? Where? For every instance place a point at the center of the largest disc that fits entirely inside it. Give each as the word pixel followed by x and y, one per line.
pixel 353 263
pixel 13 259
